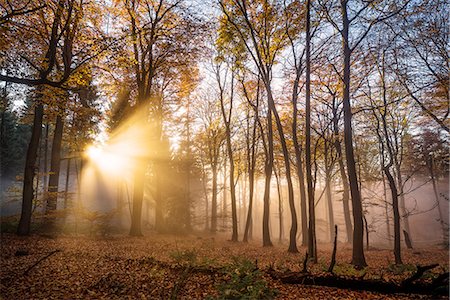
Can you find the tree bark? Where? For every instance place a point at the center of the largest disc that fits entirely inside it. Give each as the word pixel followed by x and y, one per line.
pixel 268 175
pixel 280 206
pixel 138 196
pixel 344 180
pixel 358 259
pixel 251 160
pixel 293 232
pixel 55 165
pixel 394 195
pixel 30 165
pixel 312 250
pixel 214 200
pixel 444 228
pixel 66 188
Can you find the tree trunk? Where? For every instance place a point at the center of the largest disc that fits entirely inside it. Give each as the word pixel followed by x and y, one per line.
pixel 386 209
pixel 138 197
pixel 330 206
pixel 280 207
pixel 366 230
pixel 444 228
pixel 227 121
pixel 405 216
pixel 66 188
pixel 251 160
pixel 159 217
pixel 358 259
pixel 214 200
pixel 293 232
pixel 394 195
pixel 312 250
pixel 268 175
pixel 298 159
pixel 224 196
pixel 45 170
pixel 344 180
pixel 55 165
pixel 29 172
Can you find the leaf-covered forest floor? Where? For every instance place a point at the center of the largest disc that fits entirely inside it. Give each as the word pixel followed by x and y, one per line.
pixel 184 267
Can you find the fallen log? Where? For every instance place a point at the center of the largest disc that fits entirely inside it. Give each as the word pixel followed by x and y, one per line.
pixel 409 286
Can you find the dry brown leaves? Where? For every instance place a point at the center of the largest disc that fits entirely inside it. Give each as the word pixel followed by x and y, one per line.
pixel 155 267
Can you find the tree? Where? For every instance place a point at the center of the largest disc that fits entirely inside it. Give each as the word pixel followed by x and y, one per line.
pixel 251 91
pixel 380 15
pixel 47 56
pixel 262 33
pixel 162 45
pixel 226 116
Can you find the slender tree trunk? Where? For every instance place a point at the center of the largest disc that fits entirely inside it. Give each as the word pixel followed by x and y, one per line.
pixel 214 200
pixel 280 205
pixel 395 208
pixel 45 171
pixel 405 217
pixel 366 227
pixel 205 191
pixel 386 209
pixel 312 251
pixel 251 160
pixel 268 176
pixel 358 259
pixel 66 187
pixel 344 180
pixel 224 196
pixel 29 172
pixel 303 204
pixel 436 196
pixel 299 162
pixel 55 165
pixel 227 121
pixel 293 232
pixel 330 206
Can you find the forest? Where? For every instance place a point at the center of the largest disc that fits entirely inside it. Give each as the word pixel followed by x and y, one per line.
pixel 224 149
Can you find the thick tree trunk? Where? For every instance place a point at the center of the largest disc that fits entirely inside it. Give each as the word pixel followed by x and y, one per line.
pixel 55 165
pixel 138 197
pixel 27 193
pixel 358 259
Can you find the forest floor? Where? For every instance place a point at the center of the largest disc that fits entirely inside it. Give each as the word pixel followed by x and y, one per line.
pixel 186 267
